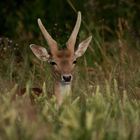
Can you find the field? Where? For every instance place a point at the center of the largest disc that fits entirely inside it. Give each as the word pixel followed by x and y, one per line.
pixel 105 99
pixel 104 103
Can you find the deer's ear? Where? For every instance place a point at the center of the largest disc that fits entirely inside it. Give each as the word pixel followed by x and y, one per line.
pixel 82 47
pixel 40 52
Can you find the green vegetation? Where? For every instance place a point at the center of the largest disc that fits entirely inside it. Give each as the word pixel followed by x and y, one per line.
pixel 105 102
pixel 91 115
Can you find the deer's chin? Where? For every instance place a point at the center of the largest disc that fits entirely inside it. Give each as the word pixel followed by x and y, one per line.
pixel 65 83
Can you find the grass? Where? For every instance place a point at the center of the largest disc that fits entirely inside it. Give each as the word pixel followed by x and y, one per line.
pixel 105 107
pixel 96 116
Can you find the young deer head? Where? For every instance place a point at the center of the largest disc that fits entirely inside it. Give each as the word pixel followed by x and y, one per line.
pixel 62 61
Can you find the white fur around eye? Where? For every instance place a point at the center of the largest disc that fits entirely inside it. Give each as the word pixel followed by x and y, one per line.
pixel 74 62
pixel 52 63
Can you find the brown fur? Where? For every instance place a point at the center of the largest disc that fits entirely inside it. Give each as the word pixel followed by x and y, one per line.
pixel 62 60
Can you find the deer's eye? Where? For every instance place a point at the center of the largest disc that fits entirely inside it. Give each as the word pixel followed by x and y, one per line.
pixel 52 63
pixel 74 62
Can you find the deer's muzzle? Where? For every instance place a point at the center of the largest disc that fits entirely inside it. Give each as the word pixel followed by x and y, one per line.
pixel 66 78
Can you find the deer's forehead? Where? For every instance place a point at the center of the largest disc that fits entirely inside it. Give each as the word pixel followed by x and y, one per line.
pixel 64 54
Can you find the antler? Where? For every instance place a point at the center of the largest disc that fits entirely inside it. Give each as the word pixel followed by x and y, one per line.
pixel 72 40
pixel 51 42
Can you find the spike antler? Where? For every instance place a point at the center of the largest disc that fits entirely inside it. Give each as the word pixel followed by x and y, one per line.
pixel 72 40
pixel 51 42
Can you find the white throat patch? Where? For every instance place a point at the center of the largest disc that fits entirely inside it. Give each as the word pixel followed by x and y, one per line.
pixel 65 89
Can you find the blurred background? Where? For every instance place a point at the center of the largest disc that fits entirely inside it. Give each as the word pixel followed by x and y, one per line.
pixel 114 25
pixel 19 18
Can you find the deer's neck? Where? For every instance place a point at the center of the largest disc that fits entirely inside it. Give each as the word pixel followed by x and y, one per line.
pixel 61 90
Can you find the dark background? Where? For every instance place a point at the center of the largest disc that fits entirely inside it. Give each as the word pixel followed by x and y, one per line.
pixel 18 19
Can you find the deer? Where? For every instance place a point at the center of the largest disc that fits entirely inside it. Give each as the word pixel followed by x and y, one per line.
pixel 62 60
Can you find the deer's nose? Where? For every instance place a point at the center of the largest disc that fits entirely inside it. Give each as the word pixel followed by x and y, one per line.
pixel 66 78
